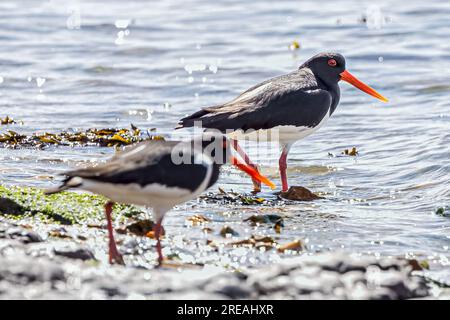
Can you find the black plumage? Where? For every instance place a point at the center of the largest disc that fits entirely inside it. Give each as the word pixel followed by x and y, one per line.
pixel 287 108
pixel 301 98
pixel 159 174
pixel 146 169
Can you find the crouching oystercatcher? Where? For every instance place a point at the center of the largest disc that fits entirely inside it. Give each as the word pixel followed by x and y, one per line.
pixel 157 174
pixel 286 108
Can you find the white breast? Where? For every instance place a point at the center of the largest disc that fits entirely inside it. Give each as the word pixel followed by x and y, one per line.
pixel 151 195
pixel 282 134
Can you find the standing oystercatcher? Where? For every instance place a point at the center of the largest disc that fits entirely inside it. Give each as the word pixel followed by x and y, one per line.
pixel 286 108
pixel 158 174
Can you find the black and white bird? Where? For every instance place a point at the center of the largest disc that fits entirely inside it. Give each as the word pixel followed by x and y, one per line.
pixel 286 108
pixel 157 174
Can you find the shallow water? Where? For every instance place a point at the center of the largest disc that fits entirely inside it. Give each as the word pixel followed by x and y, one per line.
pixel 112 63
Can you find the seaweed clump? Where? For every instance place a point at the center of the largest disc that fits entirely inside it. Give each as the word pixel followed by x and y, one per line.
pixel 443 211
pixel 108 137
pixel 8 120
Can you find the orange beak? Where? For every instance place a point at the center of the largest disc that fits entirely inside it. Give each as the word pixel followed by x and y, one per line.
pixel 348 77
pixel 252 172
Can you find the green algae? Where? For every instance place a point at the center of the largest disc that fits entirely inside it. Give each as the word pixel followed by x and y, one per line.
pixel 64 208
pixel 443 211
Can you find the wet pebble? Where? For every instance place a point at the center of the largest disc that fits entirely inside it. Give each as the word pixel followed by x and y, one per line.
pixel 56 268
pixel 23 235
pixel 74 252
pixel 24 270
pixel 228 231
pixel 234 288
pixel 298 193
pixel 320 276
pixel 11 207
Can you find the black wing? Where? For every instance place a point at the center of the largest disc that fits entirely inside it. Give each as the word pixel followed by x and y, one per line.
pixel 293 99
pixel 148 163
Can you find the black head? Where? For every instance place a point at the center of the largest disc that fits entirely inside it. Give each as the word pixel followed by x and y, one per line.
pixel 330 69
pixel 327 66
pixel 214 145
pixel 207 148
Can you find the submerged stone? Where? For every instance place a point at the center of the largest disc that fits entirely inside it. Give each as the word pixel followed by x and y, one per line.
pixel 299 193
pixel 72 252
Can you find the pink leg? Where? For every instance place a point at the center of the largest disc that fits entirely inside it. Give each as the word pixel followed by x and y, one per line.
pixel 114 254
pixel 237 147
pixel 282 163
pixel 157 229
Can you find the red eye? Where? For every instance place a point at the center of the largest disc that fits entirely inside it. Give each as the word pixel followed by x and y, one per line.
pixel 332 63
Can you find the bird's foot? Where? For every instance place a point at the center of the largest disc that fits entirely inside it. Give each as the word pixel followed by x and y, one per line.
pixel 159 264
pixel 114 256
pixel 256 187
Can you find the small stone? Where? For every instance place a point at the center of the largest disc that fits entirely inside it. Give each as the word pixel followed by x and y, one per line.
pixel 417 265
pixel 140 228
pixel 60 233
pixel 74 253
pixel 23 235
pixel 228 231
pixel 198 219
pixel 256 241
pixel 207 230
pixel 233 288
pixel 278 226
pixel 8 206
pixel 299 193
pixel 296 245
pixel 22 271
pixel 264 218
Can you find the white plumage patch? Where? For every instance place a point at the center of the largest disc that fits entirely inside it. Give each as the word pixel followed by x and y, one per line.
pixel 75 181
pixel 281 134
pixel 152 195
pixel 248 95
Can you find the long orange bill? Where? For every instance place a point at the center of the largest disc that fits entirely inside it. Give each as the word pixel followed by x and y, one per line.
pixel 348 77
pixel 252 172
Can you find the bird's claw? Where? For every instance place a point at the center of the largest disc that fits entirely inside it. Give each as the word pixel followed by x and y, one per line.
pixel 256 189
pixel 116 259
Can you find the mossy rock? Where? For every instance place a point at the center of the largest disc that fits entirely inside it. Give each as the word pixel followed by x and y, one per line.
pixel 64 208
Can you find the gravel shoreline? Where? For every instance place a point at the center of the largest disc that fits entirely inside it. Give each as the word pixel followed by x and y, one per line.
pixel 33 268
